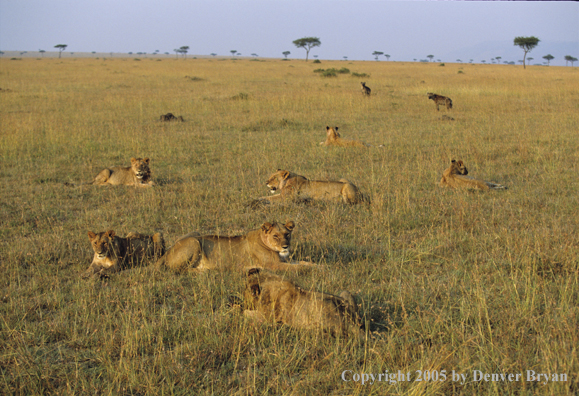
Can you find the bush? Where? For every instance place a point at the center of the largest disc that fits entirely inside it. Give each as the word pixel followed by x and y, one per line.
pixel 329 73
pixel 317 61
pixel 240 96
pixel 442 64
pixel 360 75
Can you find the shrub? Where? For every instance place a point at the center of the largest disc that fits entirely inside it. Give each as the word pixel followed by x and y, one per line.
pixel 240 96
pixel 317 61
pixel 442 64
pixel 360 75
pixel 329 73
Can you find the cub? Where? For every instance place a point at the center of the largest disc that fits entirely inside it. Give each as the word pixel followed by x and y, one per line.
pixel 113 254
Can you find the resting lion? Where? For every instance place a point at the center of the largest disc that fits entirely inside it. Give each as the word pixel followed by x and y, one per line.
pixel 333 138
pixel 296 187
pixel 113 254
pixel 455 177
pixel 267 247
pixel 138 175
pixel 271 298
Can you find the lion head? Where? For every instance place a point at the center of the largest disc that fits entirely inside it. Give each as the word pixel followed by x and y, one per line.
pixel 458 168
pixel 277 180
pixel 102 243
pixel 332 133
pixel 141 168
pixel 277 237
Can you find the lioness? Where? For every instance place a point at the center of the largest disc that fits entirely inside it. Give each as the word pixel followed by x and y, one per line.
pixel 365 90
pixel 171 117
pixel 292 186
pixel 267 247
pixel 271 298
pixel 333 138
pixel 455 177
pixel 138 174
pixel 440 100
pixel 113 254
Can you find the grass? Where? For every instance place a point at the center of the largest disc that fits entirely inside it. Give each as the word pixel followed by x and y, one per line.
pixel 446 280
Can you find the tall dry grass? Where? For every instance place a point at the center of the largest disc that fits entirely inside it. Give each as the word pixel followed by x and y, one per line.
pixel 445 280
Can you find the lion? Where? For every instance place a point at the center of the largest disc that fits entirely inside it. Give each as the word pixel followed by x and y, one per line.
pixel 266 247
pixel 365 90
pixel 455 177
pixel 171 117
pixel 333 138
pixel 296 187
pixel 268 297
pixel 440 100
pixel 113 253
pixel 138 174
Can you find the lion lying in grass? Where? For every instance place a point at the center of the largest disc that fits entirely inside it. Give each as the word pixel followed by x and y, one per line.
pixel 267 247
pixel 295 187
pixel 113 254
pixel 455 177
pixel 138 174
pixel 333 138
pixel 271 298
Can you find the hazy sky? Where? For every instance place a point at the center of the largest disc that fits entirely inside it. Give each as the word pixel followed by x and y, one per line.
pixel 403 29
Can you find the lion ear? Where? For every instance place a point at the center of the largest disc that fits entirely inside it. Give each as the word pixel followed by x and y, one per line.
pixel 266 226
pixel 91 235
pixel 452 161
pixel 133 160
pixel 290 225
pixel 327 127
pixel 110 233
pixel 146 160
pixel 336 129
pixel 285 174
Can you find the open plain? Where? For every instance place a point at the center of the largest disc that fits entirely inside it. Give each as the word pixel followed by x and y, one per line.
pixel 470 281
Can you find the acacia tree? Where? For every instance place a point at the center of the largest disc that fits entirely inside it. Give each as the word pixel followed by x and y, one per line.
pixel 61 47
pixel 183 50
pixel 377 54
pixel 387 57
pixel 530 59
pixel 42 52
pixel 526 44
pixel 430 57
pixel 286 53
pixel 233 52
pixel 569 58
pixel 549 58
pixel 498 58
pixel 307 43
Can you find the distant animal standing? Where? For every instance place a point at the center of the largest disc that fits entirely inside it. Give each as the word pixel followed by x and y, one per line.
pixel 333 138
pixel 366 90
pixel 171 117
pixel 455 177
pixel 440 100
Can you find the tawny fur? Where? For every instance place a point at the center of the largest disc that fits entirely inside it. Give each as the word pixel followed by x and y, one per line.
pixel 273 299
pixel 295 187
pixel 138 174
pixel 113 254
pixel 455 177
pixel 267 247
pixel 333 138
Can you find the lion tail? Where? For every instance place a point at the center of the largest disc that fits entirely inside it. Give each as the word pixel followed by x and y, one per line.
pixel 496 186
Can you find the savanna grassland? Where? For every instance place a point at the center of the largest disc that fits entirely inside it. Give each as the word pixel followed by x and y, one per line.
pixel 445 280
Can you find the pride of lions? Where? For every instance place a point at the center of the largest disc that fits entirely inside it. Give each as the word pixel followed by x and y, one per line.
pixel 267 297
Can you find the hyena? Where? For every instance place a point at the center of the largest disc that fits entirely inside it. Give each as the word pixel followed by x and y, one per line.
pixel 440 100
pixel 366 90
pixel 171 117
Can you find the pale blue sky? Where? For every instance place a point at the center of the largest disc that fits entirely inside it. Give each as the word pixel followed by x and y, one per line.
pixel 403 29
